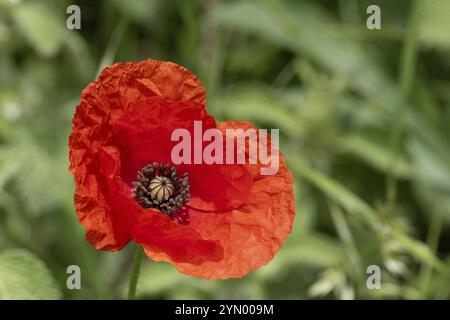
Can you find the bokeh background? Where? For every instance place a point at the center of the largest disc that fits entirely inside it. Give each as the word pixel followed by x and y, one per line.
pixel 364 121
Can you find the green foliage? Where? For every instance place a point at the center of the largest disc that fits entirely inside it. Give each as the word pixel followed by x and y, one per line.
pixel 434 22
pixel 40 27
pixel 24 276
pixel 363 118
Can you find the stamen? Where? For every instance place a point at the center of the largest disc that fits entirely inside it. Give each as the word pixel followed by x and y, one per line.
pixel 159 187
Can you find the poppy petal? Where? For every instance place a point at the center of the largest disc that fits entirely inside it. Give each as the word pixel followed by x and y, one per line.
pixel 104 101
pixel 164 239
pixel 249 235
pixel 130 112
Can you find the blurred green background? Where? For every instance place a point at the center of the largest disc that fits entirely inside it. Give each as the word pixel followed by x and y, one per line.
pixel 364 121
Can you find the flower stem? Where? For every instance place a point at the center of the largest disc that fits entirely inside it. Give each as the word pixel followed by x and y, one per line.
pixel 135 273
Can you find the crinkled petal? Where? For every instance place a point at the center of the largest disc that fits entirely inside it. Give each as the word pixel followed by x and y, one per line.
pixel 249 235
pixel 164 239
pixel 143 136
pixel 103 202
pixel 123 122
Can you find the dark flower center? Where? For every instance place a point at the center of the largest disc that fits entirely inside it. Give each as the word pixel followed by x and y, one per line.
pixel 158 186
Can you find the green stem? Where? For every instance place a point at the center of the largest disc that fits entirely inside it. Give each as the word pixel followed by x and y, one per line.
pixel 113 44
pixel 135 273
pixel 407 73
pixel 434 233
pixel 346 236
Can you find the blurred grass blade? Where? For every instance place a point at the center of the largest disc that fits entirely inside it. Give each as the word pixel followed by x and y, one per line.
pixel 346 236
pixel 421 252
pixel 378 156
pixel 335 191
pixel 113 45
pixel 353 204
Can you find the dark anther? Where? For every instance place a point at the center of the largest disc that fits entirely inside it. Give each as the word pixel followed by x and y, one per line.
pixel 158 186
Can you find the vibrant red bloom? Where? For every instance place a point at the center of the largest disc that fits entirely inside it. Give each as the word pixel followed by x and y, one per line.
pixel 235 219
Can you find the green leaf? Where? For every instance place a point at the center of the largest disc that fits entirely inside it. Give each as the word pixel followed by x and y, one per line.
pixel 24 276
pixel 432 178
pixel 434 18
pixel 254 105
pixel 376 155
pixel 335 191
pixel 430 167
pixel 40 26
pixel 420 251
pixel 137 9
pixel 353 204
pixel 263 21
pixel 33 178
pixel 289 25
pixel 315 249
pixel 163 278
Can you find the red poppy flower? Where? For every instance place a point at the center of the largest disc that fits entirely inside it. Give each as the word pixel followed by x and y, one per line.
pixel 213 221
